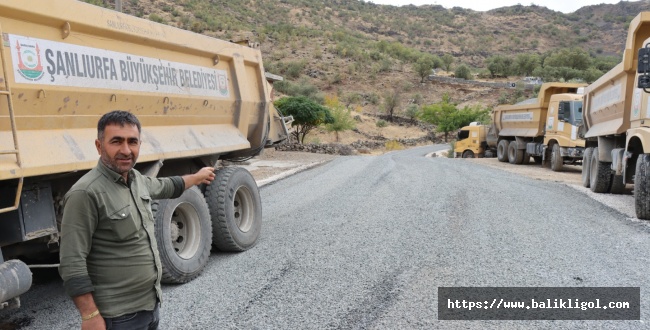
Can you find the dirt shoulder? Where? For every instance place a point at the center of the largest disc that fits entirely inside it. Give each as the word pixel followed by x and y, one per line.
pixel 570 174
pixel 274 164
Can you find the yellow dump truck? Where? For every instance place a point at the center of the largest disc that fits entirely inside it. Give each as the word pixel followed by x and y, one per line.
pixel 471 142
pixel 617 123
pixel 545 128
pixel 200 100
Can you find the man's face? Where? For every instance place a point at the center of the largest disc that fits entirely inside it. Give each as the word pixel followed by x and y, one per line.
pixel 119 148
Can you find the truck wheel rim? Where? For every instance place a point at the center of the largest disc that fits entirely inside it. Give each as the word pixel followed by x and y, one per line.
pixel 185 230
pixel 243 211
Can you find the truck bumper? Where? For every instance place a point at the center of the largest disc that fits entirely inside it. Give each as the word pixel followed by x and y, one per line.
pixel 576 152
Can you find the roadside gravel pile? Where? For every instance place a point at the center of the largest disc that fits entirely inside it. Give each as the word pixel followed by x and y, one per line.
pixel 354 148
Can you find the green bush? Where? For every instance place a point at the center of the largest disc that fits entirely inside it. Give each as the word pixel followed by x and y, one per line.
pixel 306 113
pixel 452 147
pixel 412 111
pixel 156 18
pixel 393 145
pixel 294 69
pixel 302 88
pixel 381 123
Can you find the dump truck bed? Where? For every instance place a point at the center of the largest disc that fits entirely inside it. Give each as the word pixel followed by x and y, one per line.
pixel 528 118
pixel 608 100
pixel 73 62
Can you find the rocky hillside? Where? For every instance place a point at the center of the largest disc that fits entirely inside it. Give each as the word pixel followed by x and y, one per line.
pixel 361 51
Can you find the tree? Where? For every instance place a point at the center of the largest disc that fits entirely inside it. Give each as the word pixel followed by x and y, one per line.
pixel 425 64
pixel 391 101
pixel 447 61
pixel 447 118
pixel 499 66
pixel 525 64
pixel 306 113
pixel 592 74
pixel 343 121
pixel 462 71
pixel 573 58
pixel 423 67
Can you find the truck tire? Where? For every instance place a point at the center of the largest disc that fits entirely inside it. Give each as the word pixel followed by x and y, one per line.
pixel 515 155
pixel 526 159
pixel 468 154
pixel 600 174
pixel 618 185
pixel 642 187
pixel 556 158
pixel 502 150
pixel 184 235
pixel 236 208
pixel 586 166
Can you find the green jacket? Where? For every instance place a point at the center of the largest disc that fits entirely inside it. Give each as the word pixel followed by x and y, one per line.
pixel 108 245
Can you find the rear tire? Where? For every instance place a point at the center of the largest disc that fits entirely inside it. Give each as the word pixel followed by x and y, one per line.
pixel 183 233
pixel 526 159
pixel 502 150
pixel 236 208
pixel 515 155
pixel 618 185
pixel 556 158
pixel 586 166
pixel 642 187
pixel 600 176
pixel 468 154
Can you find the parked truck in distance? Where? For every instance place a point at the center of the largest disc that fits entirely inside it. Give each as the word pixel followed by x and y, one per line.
pixel 200 100
pixel 471 142
pixel 545 128
pixel 617 123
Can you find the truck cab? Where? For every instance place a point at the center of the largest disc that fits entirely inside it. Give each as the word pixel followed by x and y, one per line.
pixel 470 141
pixel 562 125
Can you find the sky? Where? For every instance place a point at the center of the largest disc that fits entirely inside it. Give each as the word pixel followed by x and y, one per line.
pixel 565 6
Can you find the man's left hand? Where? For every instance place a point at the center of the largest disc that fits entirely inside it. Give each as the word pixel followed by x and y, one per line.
pixel 204 175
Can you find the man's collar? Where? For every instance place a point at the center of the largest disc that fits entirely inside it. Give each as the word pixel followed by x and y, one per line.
pixel 114 176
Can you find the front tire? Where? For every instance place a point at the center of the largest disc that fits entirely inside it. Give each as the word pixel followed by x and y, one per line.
pixel 468 154
pixel 184 235
pixel 556 158
pixel 642 187
pixel 236 208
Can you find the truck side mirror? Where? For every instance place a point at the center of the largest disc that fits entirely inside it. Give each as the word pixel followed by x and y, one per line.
pixel 644 61
pixel 643 68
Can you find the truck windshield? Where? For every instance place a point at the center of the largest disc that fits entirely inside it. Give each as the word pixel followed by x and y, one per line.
pixel 463 135
pixel 575 117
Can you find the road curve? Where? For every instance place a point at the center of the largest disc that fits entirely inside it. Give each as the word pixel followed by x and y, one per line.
pixel 364 242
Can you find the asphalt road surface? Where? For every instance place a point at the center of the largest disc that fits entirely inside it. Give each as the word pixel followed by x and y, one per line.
pixel 365 242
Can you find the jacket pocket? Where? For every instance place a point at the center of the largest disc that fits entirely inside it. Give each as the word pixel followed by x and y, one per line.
pixel 123 223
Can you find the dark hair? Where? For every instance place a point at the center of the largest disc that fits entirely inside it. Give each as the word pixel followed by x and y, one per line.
pixel 116 117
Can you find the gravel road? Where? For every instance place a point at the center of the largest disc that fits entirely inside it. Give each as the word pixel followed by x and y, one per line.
pixel 364 242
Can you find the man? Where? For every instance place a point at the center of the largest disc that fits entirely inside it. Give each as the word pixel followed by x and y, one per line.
pixel 109 256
